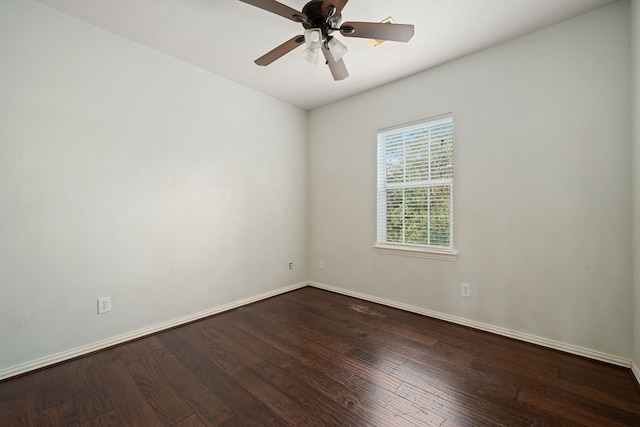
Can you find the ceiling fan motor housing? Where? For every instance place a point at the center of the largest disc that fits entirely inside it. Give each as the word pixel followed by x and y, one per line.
pixel 315 18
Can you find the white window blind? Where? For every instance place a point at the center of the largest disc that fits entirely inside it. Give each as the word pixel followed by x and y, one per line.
pixel 415 184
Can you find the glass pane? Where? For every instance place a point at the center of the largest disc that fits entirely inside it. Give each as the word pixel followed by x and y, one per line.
pixel 395 159
pixel 395 222
pixel 442 160
pixel 440 209
pixel 416 216
pixel 417 154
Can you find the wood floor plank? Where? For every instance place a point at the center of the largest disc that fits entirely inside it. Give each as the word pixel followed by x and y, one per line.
pixel 53 386
pixel 191 421
pixel 395 348
pixel 600 377
pixel 435 329
pixel 444 345
pixel 498 377
pixel 300 391
pixel 128 402
pixel 18 385
pixel 106 419
pixel 297 355
pixel 142 349
pixel 61 415
pixel 247 409
pixel 604 395
pixel 202 400
pixel 354 366
pixel 159 393
pixel 209 342
pixel 577 408
pixel 405 412
pixel 89 396
pixel 323 384
pixel 260 330
pixel 303 322
pixel 459 405
pixel 352 311
pixel 245 343
pixel 20 410
pixel 312 357
pixel 181 349
pixel 278 401
pixel 447 378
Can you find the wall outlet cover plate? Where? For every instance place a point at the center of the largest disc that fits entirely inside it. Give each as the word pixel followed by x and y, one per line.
pixel 104 305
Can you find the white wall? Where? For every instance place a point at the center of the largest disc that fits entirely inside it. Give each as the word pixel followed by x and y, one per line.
pixel 635 73
pixel 129 174
pixel 542 186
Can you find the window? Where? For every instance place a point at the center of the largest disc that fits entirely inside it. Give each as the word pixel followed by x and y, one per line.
pixel 415 188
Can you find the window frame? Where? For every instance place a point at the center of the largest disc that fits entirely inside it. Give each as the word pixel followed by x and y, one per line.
pixel 383 246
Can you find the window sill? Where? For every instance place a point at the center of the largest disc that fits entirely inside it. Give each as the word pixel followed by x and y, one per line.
pixel 416 252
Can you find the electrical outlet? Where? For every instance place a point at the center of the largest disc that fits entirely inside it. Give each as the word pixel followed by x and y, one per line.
pixel 291 266
pixel 465 290
pixel 321 263
pixel 104 305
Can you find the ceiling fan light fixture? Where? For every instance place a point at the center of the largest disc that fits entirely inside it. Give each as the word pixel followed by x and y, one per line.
pixel 311 55
pixel 336 48
pixel 313 38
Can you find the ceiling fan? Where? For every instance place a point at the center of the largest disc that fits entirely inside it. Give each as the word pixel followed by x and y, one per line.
pixel 320 19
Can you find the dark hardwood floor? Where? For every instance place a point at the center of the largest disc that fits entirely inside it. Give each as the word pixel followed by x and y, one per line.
pixel 311 357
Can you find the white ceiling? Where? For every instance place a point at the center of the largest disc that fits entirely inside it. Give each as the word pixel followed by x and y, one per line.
pixel 226 36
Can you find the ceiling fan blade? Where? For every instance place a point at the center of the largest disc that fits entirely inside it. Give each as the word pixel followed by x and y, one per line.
pixel 378 31
pixel 337 4
pixel 280 51
pixel 338 69
pixel 278 8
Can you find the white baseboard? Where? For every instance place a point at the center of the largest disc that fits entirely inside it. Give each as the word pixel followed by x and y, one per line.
pixel 569 348
pixel 103 344
pixel 636 371
pixel 109 342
